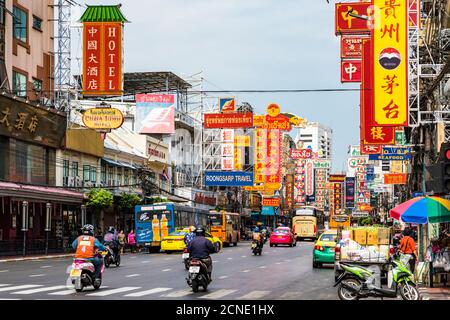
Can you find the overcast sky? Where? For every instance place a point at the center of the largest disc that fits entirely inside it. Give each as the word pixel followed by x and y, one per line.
pixel 247 44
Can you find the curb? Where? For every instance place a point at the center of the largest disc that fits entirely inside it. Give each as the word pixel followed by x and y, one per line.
pixel 36 258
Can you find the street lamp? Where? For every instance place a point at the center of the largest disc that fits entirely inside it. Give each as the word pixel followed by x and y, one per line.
pixel 24 224
pixel 48 224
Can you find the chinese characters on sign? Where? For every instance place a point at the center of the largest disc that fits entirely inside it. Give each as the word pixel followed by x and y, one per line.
pixel 395 178
pixel 346 24
pixel 351 70
pixel 351 47
pixel 271 202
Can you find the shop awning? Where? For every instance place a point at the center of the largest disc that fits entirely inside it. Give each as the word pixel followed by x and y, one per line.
pixel 25 192
pixel 126 165
pixel 112 162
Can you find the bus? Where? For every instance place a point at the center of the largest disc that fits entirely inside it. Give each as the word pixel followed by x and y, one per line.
pixel 155 221
pixel 225 226
pixel 339 221
pixel 308 222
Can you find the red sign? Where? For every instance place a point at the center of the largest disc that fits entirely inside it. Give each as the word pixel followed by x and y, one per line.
pixel 351 70
pixel 395 178
pixel 301 153
pixel 346 24
pixel 370 149
pixel 228 120
pixel 102 58
pixel 273 160
pixel 271 202
pixel 351 47
pixel 278 122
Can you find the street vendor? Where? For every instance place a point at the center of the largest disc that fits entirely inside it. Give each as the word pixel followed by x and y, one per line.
pixel 408 250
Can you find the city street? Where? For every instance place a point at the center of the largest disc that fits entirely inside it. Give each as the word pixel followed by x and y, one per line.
pixel 280 273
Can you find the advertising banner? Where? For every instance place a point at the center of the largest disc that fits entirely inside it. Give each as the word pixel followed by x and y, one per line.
pixel 351 47
pixel 228 120
pixel 260 155
pixel 289 195
pixel 102 118
pixel 227 105
pixel 155 113
pixel 309 179
pixel 351 70
pixel 273 164
pixel 349 192
pixel 395 178
pixel 102 58
pixel 370 149
pixel 300 153
pixel 322 164
pixel 242 141
pixel 346 24
pixel 336 178
pixel 228 179
pixel 390 62
pixel 238 154
pixel 390 157
pixel 271 202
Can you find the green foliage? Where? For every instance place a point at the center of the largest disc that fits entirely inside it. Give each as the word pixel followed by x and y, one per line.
pixel 100 198
pixel 128 201
pixel 156 199
pixel 365 221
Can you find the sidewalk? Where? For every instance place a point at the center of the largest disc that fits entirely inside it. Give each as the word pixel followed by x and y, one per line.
pixel 35 257
pixel 440 293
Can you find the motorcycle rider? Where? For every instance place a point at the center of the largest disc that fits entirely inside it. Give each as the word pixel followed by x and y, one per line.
pixel 257 236
pixel 111 239
pixel 201 248
pixel 85 246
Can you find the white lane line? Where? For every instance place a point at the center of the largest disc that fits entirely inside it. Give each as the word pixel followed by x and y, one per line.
pixel 277 262
pixel 287 260
pixel 245 270
pixel 218 294
pixel 10 299
pixel 223 277
pixel 243 256
pixel 63 293
pixel 262 267
pixel 167 259
pixel 132 275
pixel 37 275
pixel 4 284
pixel 112 291
pixel 145 261
pixel 290 295
pixel 25 286
pixel 44 267
pixel 230 258
pixel 165 270
pixel 147 292
pixel 39 290
pixel 178 294
pixel 215 261
pixel 3 271
pixel 255 295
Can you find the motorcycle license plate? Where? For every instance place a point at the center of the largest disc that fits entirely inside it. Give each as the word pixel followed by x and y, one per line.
pixel 253 245
pixel 75 273
pixel 280 237
pixel 185 256
pixel 194 269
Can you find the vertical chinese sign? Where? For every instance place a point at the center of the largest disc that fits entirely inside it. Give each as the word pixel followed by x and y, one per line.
pixel 102 50
pixel 320 181
pixel 349 192
pixel 260 155
pixel 299 192
pixel 227 149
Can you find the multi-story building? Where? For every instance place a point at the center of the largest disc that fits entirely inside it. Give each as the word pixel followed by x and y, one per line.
pixel 317 137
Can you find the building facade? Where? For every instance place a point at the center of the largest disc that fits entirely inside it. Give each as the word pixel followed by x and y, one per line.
pixel 317 137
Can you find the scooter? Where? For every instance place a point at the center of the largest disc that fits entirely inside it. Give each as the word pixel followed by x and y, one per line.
pixel 82 273
pixel 256 248
pixel 358 282
pixel 185 257
pixel 111 258
pixel 198 275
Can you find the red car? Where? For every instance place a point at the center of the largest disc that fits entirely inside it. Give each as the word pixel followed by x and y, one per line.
pixel 282 235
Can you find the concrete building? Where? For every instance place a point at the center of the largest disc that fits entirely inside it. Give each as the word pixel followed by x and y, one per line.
pixel 317 137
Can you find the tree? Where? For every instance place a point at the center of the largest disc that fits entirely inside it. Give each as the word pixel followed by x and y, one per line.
pixel 100 199
pixel 128 201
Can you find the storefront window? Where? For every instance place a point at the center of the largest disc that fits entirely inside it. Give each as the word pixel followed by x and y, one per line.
pixel 93 174
pixel 110 176
pixel 103 174
pixel 86 172
pixel 125 177
pixel 74 169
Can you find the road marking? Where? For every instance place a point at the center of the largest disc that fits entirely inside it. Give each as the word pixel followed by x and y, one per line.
pixel 277 262
pixel 164 270
pixel 25 286
pixel 63 293
pixel 218 294
pixel 112 291
pixel 230 258
pixel 4 270
pixel 262 267
pixel 37 275
pixel 290 295
pixel 147 292
pixel 215 261
pixel 254 295
pixel 243 256
pixel 245 270
pixel 178 294
pixel 133 257
pixel 167 259
pixel 4 285
pixel 43 267
pixel 132 275
pixel 10 299
pixel 223 277
pixel 287 260
pixel 146 261
pixel 39 290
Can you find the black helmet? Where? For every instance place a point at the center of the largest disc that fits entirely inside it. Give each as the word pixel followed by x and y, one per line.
pixel 88 229
pixel 200 231
pixel 111 229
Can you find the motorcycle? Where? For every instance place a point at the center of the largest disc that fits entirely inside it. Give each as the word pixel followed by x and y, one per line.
pixel 185 257
pixel 256 248
pixel 198 275
pixel 358 282
pixel 111 258
pixel 82 273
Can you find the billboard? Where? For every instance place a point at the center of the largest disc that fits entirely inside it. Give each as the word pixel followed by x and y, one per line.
pixel 300 153
pixel 351 47
pixel 155 113
pixel 228 178
pixel 102 118
pixel 228 120
pixel 227 105
pixel 346 24
pixel 102 58
pixel 395 178
pixel 349 192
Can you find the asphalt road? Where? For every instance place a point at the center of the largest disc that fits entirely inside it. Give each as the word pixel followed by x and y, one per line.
pixel 280 273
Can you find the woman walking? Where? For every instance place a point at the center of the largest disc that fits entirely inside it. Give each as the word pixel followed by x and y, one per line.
pixel 132 241
pixel 122 239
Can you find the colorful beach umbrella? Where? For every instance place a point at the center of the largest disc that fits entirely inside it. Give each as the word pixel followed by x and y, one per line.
pixel 422 210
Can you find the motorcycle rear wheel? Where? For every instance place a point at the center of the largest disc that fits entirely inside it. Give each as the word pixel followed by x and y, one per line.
pixel 345 294
pixel 409 292
pixel 118 261
pixel 194 285
pixel 107 263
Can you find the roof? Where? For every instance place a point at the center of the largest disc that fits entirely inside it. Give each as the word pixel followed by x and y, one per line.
pixel 103 14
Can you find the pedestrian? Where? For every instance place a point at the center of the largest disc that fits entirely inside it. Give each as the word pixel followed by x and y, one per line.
pixel 408 250
pixel 122 240
pixel 132 241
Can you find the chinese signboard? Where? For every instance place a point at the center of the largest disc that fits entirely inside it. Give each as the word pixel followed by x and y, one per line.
pixel 336 178
pixel 351 70
pixel 155 113
pixel 395 178
pixel 260 155
pixel 369 149
pixel 349 192
pixel 227 105
pixel 102 58
pixel 300 153
pixel 102 118
pixel 228 179
pixel 242 141
pixel 289 197
pixel 321 180
pixel 273 163
pixel 309 179
pixel 299 191
pixel 351 47
pixel 29 123
pixel 271 202
pixel 228 120
pixel 390 63
pixel 346 24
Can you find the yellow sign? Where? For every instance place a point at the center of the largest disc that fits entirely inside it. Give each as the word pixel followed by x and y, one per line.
pixel 296 121
pixel 273 186
pixel 254 188
pixel 273 109
pixel 242 141
pixel 259 121
pixel 396 167
pixel 237 158
pixel 103 118
pixel 390 36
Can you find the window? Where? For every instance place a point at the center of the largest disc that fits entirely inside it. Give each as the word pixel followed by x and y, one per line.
pixel 37 23
pixel 74 169
pixel 2 12
pixel 86 172
pixel 19 84
pixel 110 176
pixel 103 174
pixel 65 168
pixel 20 24
pixel 119 176
pixel 37 85
pixel 93 174
pixel 125 177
